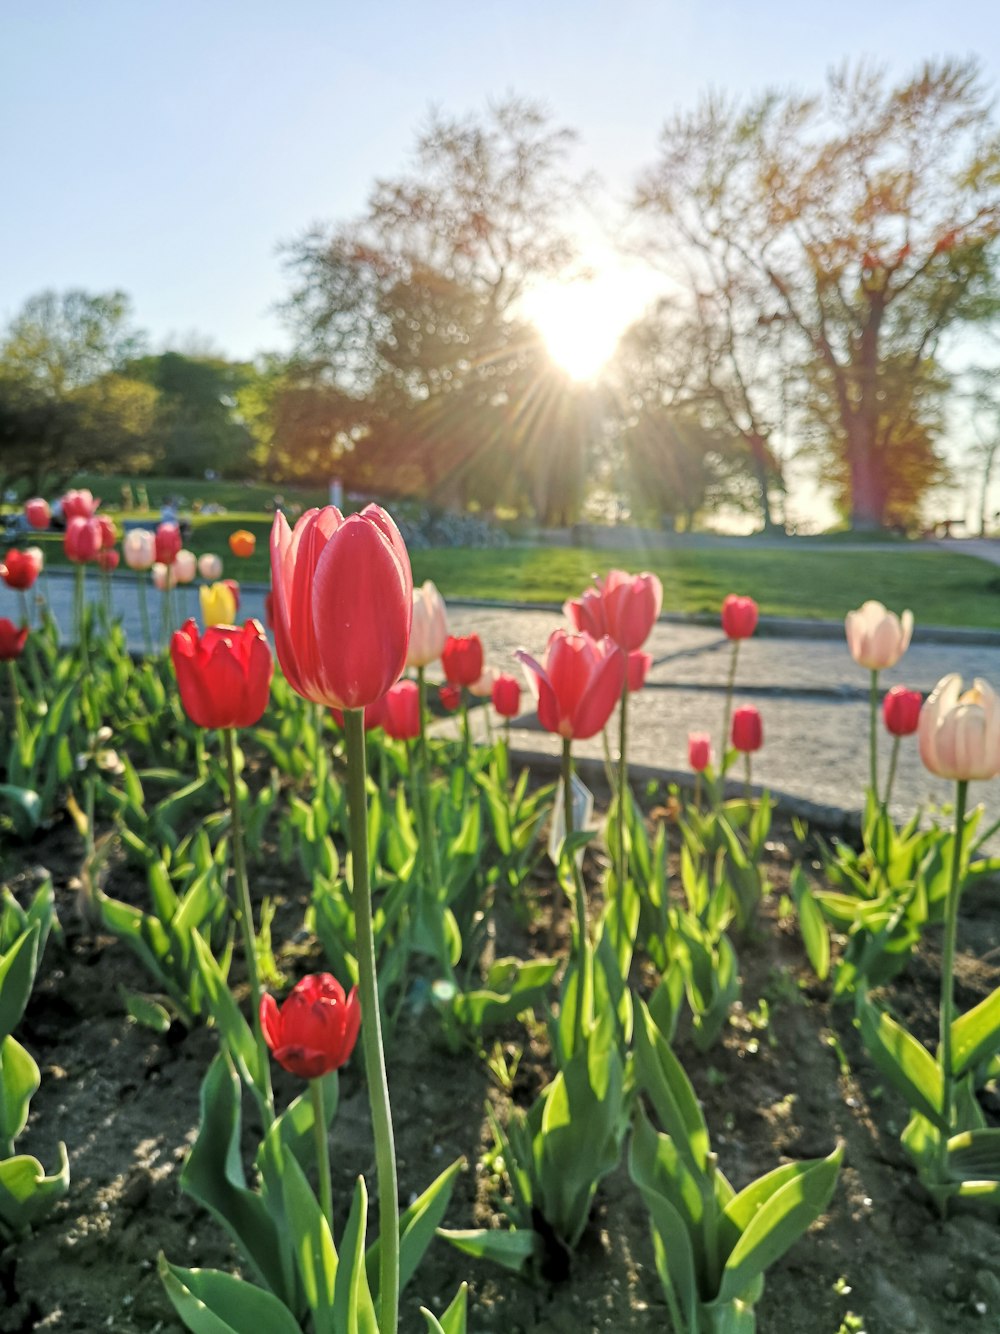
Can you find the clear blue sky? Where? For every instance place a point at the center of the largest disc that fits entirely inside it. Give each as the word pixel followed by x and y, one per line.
pixel 167 148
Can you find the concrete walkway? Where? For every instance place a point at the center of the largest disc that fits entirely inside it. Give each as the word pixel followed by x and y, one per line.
pixel 813 699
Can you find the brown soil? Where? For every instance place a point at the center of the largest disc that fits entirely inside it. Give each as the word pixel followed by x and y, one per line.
pixel 126 1103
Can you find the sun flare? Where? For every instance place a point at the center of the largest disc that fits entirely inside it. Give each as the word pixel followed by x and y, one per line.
pixel 583 320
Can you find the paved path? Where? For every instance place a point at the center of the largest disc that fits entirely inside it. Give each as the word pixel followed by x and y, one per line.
pixel 812 696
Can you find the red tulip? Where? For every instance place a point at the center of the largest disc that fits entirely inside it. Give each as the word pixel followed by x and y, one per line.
pixel 82 540
pixel 343 599
pixel 699 751
pixel 632 603
pixel 901 710
pixel 748 730
pixel 234 588
pixel 316 1028
pixel 38 512
pixel 109 534
pixel 507 696
pixel 578 685
pixel 462 659
pixel 739 617
pixel 451 697
pixel 637 670
pixel 224 675
pixel 586 613
pixel 79 505
pixel 168 543
pixel 402 711
pixel 108 559
pixel 12 639
pixel 20 569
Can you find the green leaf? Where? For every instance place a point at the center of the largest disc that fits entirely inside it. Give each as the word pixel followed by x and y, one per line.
pixel 17 975
pixel 417 1226
pixel 512 1247
pixel 907 1065
pixel 146 1011
pixel 778 1223
pixel 27 806
pixel 19 1078
pixel 453 1321
pixel 975 1036
pixel 236 1032
pixel 353 1308
pixel 649 1162
pixel 312 1244
pixel 974 1155
pixel 211 1302
pixel 815 936
pixel 661 1075
pixel 26 1193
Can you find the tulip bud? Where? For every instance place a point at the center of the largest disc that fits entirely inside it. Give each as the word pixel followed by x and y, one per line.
pixel 168 543
pixel 401 716
pixel 163 576
pixel 243 543
pixel 109 534
pixel 316 1028
pixel 739 617
pixel 877 638
pixel 12 639
pixel 21 569
pixel 224 675
pixel 82 540
pixel 748 730
pixel 462 659
pixel 38 512
pixel 960 733
pixel 185 566
pixel 507 696
pixel 218 606
pixel 632 602
pixel 210 567
pixel 108 559
pixel 699 751
pixel 429 629
pixel 139 548
pixel 901 710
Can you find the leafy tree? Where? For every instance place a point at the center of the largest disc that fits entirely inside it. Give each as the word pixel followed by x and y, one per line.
pixel 197 424
pixel 410 310
pixel 863 222
pixel 60 342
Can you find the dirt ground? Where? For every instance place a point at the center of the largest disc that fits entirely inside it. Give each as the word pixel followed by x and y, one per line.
pixel 787 1080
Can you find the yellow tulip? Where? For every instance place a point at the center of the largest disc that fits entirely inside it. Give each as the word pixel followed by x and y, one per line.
pixel 218 605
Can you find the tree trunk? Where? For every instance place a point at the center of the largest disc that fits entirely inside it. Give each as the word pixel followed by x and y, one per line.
pixel 987 470
pixel 867 499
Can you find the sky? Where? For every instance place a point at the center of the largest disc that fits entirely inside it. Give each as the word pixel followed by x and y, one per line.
pixel 170 148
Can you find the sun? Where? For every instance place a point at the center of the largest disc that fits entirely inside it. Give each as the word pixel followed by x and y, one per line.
pixel 583 320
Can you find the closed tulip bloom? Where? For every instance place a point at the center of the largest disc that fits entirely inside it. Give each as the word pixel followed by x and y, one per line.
pixel 315 1030
pixel 739 617
pixel 79 505
pixel 218 606
pixel 578 683
pixel 451 697
pixel 82 540
pixel 877 638
pixel 748 730
pixel 21 569
pixel 462 659
pixel 586 613
pixel 242 543
pixel 38 512
pixel 108 559
pixel 12 639
pixel 163 576
pixel 343 598
pixel 139 549
pixel 224 675
pixel 507 696
pixel 210 567
pixel 168 543
pixel 960 733
pixel 632 602
pixel 401 716
pixel 699 751
pixel 185 566
pixel 109 533
pixel 637 669
pixel 901 710
pixel 429 630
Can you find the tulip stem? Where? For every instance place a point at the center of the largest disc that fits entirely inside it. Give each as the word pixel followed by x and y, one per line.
pixel 728 707
pixel 22 598
pixel 948 989
pixel 244 909
pixel 423 791
pixel 580 898
pixel 894 756
pixel 873 735
pixel 697 790
pixel 322 1149
pixel 144 610
pixel 622 788
pixel 749 788
pixel 371 1026
pixel 15 702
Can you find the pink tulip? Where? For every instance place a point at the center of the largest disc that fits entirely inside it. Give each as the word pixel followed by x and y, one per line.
pixel 699 751
pixel 507 696
pixel 38 512
pixel 82 540
pixel 79 505
pixel 637 670
pixel 577 685
pixel 739 617
pixel 139 549
pixel 748 729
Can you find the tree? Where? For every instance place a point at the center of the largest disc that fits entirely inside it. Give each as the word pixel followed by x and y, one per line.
pixel 863 222
pixel 60 342
pixel 410 310
pixel 197 424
